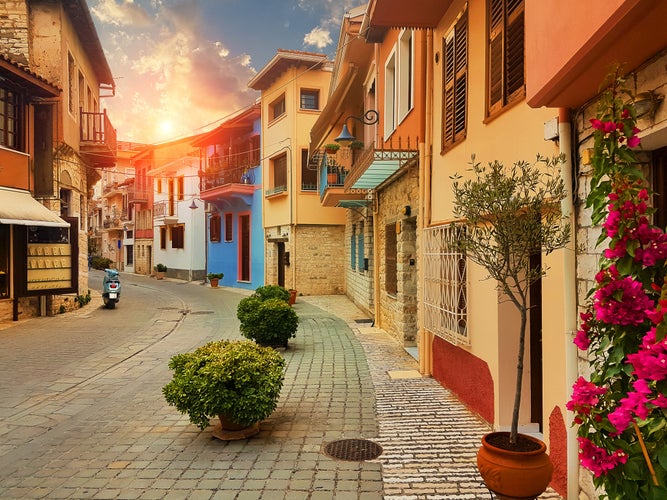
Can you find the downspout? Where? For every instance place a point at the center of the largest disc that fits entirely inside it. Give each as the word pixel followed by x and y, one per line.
pixel 376 211
pixel 425 153
pixel 569 295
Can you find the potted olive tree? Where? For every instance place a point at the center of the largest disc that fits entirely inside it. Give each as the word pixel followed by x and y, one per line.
pixel 237 381
pixel 510 214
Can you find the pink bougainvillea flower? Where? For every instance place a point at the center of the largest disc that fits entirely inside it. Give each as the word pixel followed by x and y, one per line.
pixel 634 141
pixel 621 302
pixel 584 396
pixel 598 460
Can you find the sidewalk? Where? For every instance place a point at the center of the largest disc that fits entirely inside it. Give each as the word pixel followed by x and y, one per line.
pixel 113 436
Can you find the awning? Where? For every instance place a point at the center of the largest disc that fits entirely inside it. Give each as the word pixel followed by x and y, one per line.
pixel 19 207
pixel 381 165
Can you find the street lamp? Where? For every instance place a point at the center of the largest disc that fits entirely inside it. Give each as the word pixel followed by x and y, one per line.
pixel 345 138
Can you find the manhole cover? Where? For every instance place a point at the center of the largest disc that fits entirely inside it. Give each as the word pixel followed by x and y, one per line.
pixel 355 450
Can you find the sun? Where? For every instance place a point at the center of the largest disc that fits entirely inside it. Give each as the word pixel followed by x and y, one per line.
pixel 166 127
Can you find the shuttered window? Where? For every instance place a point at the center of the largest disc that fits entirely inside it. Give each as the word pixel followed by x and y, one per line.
pixel 215 228
pixel 455 82
pixel 506 53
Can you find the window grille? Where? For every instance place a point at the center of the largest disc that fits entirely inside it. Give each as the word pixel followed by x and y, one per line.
pixel 445 284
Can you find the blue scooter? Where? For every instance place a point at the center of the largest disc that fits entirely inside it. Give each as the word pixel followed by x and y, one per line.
pixel 111 288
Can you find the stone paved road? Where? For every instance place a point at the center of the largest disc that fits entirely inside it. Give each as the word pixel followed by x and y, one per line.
pixel 82 414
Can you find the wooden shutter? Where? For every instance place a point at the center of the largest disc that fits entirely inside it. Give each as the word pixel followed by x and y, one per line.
pixel 214 230
pixel 455 76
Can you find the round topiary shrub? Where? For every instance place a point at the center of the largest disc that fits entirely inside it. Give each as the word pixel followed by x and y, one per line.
pixel 235 378
pixel 272 292
pixel 270 322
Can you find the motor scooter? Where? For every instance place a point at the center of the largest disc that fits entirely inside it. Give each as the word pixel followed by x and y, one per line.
pixel 111 288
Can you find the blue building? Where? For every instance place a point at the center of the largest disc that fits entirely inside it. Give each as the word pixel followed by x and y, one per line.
pixel 231 184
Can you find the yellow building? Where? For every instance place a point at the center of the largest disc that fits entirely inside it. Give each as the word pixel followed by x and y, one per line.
pixel 304 240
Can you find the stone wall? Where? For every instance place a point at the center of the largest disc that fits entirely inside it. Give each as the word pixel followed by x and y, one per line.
pixel 317 258
pixel 359 283
pixel 398 313
pixel 14 30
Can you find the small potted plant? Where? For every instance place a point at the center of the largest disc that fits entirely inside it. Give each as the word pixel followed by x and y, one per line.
pixel 510 214
pixel 331 148
pixel 160 270
pixel 215 278
pixel 237 381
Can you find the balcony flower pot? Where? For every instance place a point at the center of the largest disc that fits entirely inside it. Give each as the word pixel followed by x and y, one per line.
pixel 331 148
pixel 214 279
pixel 514 473
pixel 236 379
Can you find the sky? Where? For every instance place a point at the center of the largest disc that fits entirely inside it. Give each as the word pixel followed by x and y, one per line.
pixel 183 66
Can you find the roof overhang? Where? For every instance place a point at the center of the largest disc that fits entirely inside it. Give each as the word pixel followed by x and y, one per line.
pixel 385 14
pixel 17 206
pixel 22 77
pixel 283 60
pixel 631 34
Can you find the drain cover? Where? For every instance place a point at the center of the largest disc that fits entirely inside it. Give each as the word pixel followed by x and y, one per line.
pixel 354 450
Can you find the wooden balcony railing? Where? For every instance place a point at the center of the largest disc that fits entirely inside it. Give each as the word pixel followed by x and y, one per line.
pixel 96 129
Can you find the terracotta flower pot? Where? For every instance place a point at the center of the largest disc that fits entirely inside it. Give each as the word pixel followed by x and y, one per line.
pixel 292 297
pixel 214 282
pixel 228 430
pixel 514 474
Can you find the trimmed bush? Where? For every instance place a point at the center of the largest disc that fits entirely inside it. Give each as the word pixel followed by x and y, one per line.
pixel 235 378
pixel 270 322
pixel 272 292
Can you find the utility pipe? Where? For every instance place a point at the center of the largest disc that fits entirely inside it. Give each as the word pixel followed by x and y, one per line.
pixel 569 295
pixel 425 158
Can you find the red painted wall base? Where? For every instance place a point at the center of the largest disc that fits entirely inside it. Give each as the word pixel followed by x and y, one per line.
pixel 466 375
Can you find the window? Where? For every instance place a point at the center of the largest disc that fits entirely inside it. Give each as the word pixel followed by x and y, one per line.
pixel 177 236
pixel 158 186
pixel 277 108
pixel 353 247
pixel 390 276
pixel 214 228
pixel 244 247
pixel 360 247
pixel 390 95
pixel 163 237
pixel 310 99
pixel 172 200
pixel 10 117
pixel 455 79
pixel 405 73
pixel 308 173
pixel 278 175
pixel 181 188
pixel 71 79
pixel 506 53
pixel 445 284
pixel 229 227
pixel 130 255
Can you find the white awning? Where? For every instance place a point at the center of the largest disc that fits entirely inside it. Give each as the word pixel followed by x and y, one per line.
pixel 19 207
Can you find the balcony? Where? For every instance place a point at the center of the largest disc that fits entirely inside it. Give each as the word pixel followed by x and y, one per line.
pixel 332 177
pixel 226 179
pixel 97 139
pixel 137 196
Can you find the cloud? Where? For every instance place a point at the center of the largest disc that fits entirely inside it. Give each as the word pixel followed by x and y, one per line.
pixel 168 72
pixel 318 37
pixel 127 13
